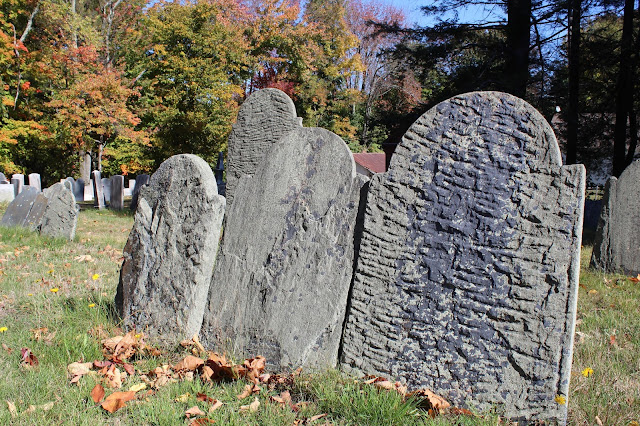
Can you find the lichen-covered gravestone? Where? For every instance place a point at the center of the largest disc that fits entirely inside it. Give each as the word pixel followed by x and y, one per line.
pixel 60 216
pixel 171 250
pixel 617 242
pixel 264 118
pixel 467 277
pixel 282 278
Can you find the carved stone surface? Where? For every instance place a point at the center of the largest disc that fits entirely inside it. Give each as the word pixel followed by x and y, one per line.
pixel 264 118
pixel 117 192
pixel 467 277
pixel 171 250
pixel 60 217
pixel 617 247
pixel 281 282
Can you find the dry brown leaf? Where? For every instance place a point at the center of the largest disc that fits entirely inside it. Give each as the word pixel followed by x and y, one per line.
pixel 77 370
pixel 252 408
pixel 42 334
pixel 6 348
pixel 28 358
pixel 113 377
pixel 117 400
pixel 317 417
pixel 203 397
pixel 43 407
pixel 194 411
pixel 598 421
pixel 202 421
pixel 189 363
pixel 215 405
pixel 97 393
pixel 635 279
pixel 430 401
pixel 254 368
pixel 246 392
pixel 461 412
pixel 12 408
pixel 138 387
pixel 129 369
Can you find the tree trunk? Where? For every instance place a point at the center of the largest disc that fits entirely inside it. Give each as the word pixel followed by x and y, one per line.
pixel 575 11
pixel 518 37
pixel 623 91
pixel 85 166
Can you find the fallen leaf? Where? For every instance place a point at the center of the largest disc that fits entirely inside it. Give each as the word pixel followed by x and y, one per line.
pixel 79 368
pixel 28 358
pixel 138 387
pixel 182 398
pixel 252 408
pixel 215 405
pixel 6 348
pixel 84 258
pixel 248 390
pixel 43 407
pixel 117 400
pixel 194 411
pixel 201 421
pixel 97 393
pixel 461 412
pixel 12 408
pixel 593 291
pixel 612 339
pixel 317 417
pixel 42 334
pixel 189 363
pixel 203 397
pixel 430 400
pixel 113 377
pixel 635 279
pixel 129 369
pixel 598 421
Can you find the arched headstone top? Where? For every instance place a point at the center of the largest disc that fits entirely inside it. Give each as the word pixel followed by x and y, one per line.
pixel 502 124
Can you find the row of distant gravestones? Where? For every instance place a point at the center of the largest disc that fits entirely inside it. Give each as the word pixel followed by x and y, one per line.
pixel 456 270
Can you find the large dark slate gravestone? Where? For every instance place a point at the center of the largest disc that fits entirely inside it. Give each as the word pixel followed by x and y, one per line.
pixel 467 277
pixel 19 208
pixel 264 118
pixel 116 201
pixel 78 190
pixel 106 189
pixel 617 242
pixel 171 250
pixel 282 278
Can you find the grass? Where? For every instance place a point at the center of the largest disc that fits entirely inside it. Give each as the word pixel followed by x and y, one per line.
pixel 80 314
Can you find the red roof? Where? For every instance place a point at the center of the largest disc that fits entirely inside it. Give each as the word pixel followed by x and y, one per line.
pixel 374 162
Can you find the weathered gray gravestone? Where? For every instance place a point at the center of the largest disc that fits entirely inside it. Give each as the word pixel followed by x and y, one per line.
pixel 264 118
pixel 2 177
pixel 34 181
pixel 88 190
pixel 106 188
pixel 117 192
pixel 467 277
pixel 78 190
pixel 171 250
pixel 141 180
pixel 34 217
pixel 98 190
pixel 17 185
pixel 6 193
pixel 617 242
pixel 19 208
pixel 60 217
pixel 281 282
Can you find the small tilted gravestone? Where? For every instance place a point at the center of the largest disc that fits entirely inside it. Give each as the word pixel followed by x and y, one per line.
pixel 98 190
pixel 282 278
pixel 171 250
pixel 34 181
pixel 117 193
pixel 467 277
pixel 264 118
pixel 52 213
pixel 617 242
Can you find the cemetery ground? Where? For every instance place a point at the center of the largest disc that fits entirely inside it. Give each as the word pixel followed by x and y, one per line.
pixel 56 309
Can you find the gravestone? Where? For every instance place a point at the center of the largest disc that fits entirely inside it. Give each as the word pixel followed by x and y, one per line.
pixel 7 193
pixel 19 208
pixel 34 181
pixel 467 277
pixel 117 192
pixel 78 190
pixel 616 247
pixel 264 118
pixel 128 191
pixel 98 190
pixel 34 217
pixel 60 217
pixel 88 190
pixel 141 180
pixel 106 188
pixel 219 174
pixel 171 250
pixel 17 185
pixel 3 178
pixel 282 278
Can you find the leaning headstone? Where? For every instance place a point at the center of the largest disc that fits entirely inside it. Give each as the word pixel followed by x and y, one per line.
pixel 117 192
pixel 17 185
pixel 106 188
pixel 171 250
pixel 617 247
pixel 264 118
pixel 141 180
pixel 7 193
pixel 78 190
pixel 467 277
pixel 34 217
pixel 19 208
pixel 60 217
pixel 282 278
pixel 34 181
pixel 98 191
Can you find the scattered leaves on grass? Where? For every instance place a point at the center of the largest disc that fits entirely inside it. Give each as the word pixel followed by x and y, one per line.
pixel 194 412
pixel 249 390
pixel 215 405
pixel 252 408
pixel 117 400
pixel 83 258
pixel 28 358
pixel 635 279
pixel 183 398
pixel 6 348
pixel 97 393
pixel 593 291
pixel 138 387
pixel 194 344
pixel 12 408
pixel 78 369
pixel 202 421
pixel 43 407
pixel 42 335
pixel 189 363
pixel 430 401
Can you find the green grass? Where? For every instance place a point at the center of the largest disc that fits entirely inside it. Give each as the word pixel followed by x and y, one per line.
pixel 80 314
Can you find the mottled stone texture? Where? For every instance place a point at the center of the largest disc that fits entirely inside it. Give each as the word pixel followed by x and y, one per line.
pixel 282 278
pixel 617 243
pixel 141 181
pixel 19 208
pixel 467 277
pixel 264 118
pixel 60 216
pixel 171 250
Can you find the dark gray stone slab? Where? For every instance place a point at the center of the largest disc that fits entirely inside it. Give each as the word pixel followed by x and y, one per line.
pixel 17 185
pixel 34 217
pixel 282 278
pixel 117 193
pixel 617 247
pixel 98 190
pixel 264 118
pixel 19 208
pixel 141 181
pixel 78 190
pixel 34 181
pixel 60 217
pixel 467 277
pixel 171 250
pixel 106 188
